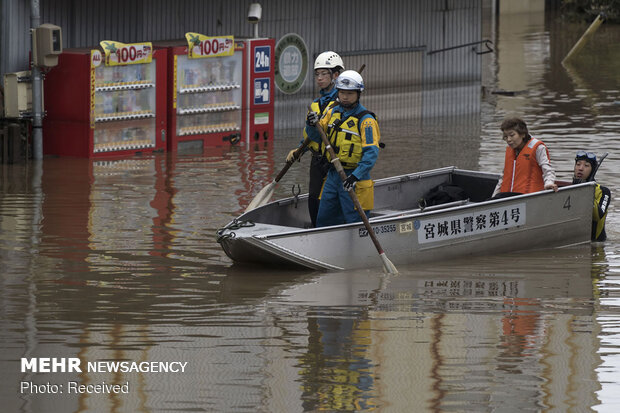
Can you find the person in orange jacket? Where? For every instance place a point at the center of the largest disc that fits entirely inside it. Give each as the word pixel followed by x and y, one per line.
pixel 527 167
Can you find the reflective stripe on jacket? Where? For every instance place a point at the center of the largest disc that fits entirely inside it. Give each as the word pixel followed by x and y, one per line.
pixel 522 173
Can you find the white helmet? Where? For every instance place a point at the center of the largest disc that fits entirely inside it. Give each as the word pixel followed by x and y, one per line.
pixel 328 60
pixel 350 80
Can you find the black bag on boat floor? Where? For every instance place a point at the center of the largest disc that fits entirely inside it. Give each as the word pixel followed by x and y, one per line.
pixel 442 194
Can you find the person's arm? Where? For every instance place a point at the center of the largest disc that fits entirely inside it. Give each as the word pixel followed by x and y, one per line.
pixel 315 106
pixel 311 131
pixel 498 186
pixel 602 198
pixel 370 136
pixel 547 170
pixel 603 203
pixel 290 157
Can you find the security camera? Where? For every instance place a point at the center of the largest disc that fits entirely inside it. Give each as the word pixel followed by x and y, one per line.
pixel 254 13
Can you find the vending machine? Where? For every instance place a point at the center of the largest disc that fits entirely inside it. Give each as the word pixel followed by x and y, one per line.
pixel 218 94
pixel 206 89
pixel 106 102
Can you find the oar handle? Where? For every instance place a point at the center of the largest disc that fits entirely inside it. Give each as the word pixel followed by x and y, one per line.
pixel 296 155
pixel 343 176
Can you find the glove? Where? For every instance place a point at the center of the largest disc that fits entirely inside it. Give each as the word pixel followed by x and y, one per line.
pixel 349 183
pixel 312 119
pixel 291 156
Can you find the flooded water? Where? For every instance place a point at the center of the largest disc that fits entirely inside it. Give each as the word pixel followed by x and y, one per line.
pixel 117 261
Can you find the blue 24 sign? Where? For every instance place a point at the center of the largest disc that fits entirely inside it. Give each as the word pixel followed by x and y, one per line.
pixel 262 59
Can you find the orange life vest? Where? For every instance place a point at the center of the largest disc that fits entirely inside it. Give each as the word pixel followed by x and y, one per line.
pixel 522 173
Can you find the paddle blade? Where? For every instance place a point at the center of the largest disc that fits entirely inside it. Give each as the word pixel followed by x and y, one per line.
pixel 262 197
pixel 387 264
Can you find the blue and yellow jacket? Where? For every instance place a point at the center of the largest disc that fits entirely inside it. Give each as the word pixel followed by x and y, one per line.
pixel 354 135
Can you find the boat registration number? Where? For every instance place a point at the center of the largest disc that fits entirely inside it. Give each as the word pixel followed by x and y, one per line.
pixel 379 229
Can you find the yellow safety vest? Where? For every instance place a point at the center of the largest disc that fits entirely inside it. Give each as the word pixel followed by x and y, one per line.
pixel 316 107
pixel 344 136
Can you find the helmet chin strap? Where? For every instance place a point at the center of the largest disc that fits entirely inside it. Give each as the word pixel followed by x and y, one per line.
pixel 352 105
pixel 349 106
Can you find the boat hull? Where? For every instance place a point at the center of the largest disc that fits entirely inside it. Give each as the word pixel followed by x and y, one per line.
pixel 540 220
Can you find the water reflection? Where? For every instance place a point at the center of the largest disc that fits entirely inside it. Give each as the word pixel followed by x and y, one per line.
pixel 127 215
pixel 426 336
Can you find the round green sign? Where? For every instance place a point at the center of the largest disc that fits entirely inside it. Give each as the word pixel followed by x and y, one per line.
pixel 291 58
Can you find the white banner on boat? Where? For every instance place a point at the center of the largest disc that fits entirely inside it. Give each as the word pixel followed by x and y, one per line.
pixel 473 223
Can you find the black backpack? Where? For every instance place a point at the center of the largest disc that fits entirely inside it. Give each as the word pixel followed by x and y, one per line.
pixel 442 194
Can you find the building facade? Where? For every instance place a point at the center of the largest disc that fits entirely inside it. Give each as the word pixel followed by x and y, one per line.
pixel 412 49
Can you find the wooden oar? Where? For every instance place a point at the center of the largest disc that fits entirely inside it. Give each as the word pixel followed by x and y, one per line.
pixel 387 264
pixel 265 194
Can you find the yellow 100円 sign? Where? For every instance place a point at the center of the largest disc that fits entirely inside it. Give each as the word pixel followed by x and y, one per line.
pixel 199 45
pixel 117 53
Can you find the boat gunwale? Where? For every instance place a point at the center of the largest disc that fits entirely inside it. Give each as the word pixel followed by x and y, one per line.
pixel 406 214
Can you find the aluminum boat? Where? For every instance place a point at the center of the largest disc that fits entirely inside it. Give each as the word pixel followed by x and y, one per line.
pixel 280 234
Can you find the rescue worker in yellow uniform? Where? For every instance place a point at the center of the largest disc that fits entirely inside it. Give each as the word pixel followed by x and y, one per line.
pixel 585 169
pixel 353 133
pixel 527 167
pixel 327 67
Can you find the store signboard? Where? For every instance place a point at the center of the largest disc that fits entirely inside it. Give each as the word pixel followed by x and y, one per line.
pixel 261 91
pixel 199 45
pixel 291 63
pixel 262 59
